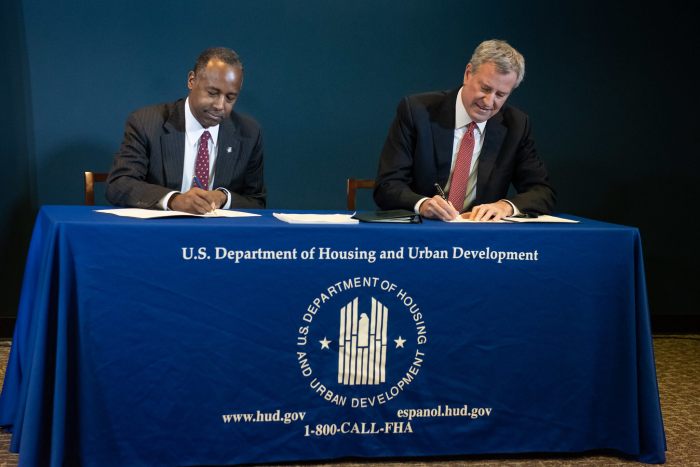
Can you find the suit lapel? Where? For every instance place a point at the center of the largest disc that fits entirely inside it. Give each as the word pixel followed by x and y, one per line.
pixel 227 154
pixel 443 129
pixel 173 146
pixel 495 132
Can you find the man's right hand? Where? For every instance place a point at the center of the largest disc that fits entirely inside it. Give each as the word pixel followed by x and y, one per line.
pixel 438 208
pixel 195 201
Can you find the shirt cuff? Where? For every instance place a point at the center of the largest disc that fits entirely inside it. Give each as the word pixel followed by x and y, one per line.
pixel 166 199
pixel 516 211
pixel 420 202
pixel 227 204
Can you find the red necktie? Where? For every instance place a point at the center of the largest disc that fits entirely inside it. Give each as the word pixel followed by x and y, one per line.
pixel 460 175
pixel 201 164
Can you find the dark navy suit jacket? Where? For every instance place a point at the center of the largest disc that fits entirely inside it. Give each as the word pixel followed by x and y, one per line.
pixel 150 161
pixel 418 153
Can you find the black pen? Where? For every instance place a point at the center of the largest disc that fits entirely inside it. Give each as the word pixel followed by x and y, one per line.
pixel 440 192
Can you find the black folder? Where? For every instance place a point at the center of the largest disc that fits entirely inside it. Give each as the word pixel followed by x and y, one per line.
pixel 401 216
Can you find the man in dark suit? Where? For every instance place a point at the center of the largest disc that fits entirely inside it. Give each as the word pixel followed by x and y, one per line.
pixel 467 141
pixel 195 154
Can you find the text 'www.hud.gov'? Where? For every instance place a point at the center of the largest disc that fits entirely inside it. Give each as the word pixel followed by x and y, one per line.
pixel 264 417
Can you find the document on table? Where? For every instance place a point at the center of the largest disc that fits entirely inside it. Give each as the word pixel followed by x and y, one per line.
pixel 153 214
pixel 316 218
pixel 542 218
pixel 506 220
pixel 462 219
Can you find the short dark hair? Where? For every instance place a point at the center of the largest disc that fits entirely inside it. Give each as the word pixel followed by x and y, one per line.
pixel 224 54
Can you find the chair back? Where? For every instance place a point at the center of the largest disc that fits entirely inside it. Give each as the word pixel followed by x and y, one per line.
pixel 353 185
pixel 90 179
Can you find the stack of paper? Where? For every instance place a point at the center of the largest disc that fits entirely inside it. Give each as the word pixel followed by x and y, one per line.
pixel 152 213
pixel 316 218
pixel 541 218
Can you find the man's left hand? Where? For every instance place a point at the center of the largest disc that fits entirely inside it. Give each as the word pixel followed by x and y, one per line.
pixel 215 197
pixel 489 212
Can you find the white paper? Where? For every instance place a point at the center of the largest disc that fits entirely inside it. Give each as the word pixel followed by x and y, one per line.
pixel 462 219
pixel 542 218
pixel 153 214
pixel 316 218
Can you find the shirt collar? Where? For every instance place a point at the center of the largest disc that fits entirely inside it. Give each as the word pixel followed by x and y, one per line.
pixel 194 129
pixel 462 118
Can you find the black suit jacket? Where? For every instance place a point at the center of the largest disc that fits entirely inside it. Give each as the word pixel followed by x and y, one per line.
pixel 418 153
pixel 150 161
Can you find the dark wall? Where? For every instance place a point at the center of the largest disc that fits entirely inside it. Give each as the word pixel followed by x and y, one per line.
pixel 608 87
pixel 16 156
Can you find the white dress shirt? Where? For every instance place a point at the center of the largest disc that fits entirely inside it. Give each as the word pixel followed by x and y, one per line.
pixel 462 119
pixel 193 131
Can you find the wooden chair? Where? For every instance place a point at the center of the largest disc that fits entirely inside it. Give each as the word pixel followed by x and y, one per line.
pixel 353 185
pixel 90 179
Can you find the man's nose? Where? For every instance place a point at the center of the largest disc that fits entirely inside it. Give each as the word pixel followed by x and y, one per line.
pixel 489 99
pixel 219 102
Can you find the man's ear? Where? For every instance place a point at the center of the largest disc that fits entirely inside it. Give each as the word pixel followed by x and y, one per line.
pixel 190 80
pixel 467 72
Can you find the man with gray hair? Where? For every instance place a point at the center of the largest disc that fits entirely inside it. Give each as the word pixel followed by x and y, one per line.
pixel 468 142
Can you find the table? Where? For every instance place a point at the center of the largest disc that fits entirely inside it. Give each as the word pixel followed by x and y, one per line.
pixel 190 341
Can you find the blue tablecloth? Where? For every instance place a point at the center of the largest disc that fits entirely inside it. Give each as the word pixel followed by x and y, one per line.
pixel 190 341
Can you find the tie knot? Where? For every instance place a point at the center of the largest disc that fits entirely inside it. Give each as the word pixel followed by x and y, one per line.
pixel 205 137
pixel 471 126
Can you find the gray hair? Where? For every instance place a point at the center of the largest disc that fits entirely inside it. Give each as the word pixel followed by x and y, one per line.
pixel 501 54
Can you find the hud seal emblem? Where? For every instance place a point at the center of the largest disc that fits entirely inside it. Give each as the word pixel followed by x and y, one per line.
pixel 362 345
pixel 361 342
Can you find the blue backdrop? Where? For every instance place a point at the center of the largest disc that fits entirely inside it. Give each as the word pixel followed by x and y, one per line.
pixel 609 88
